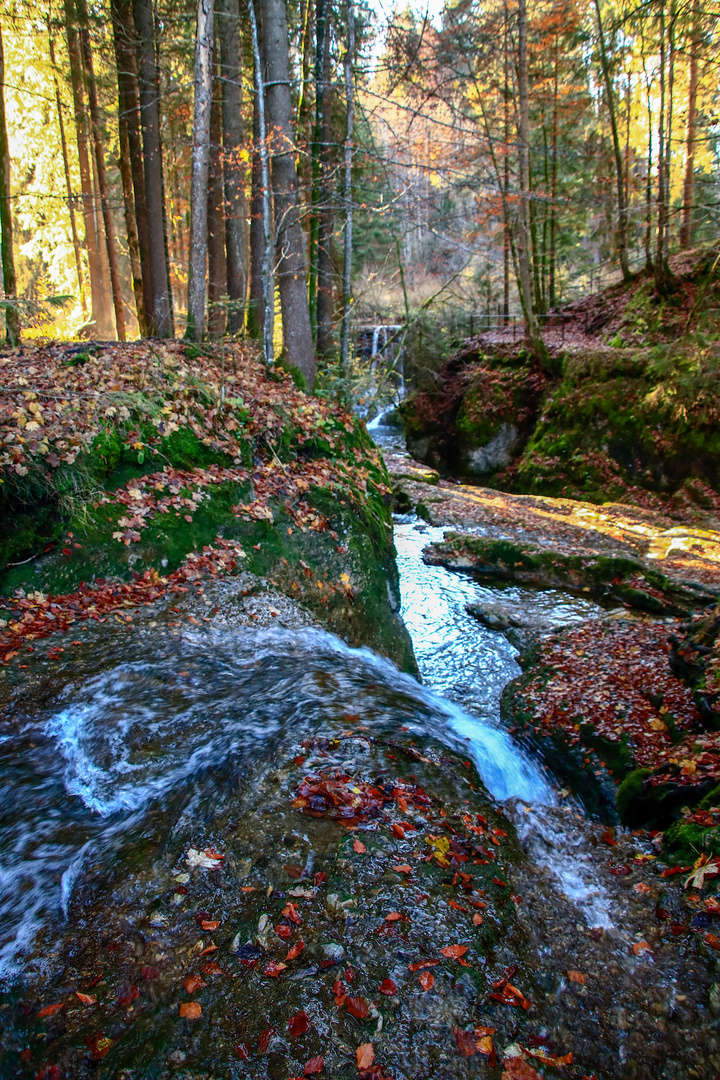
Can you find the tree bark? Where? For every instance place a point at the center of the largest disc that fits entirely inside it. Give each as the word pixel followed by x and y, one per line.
pixel 234 135
pixel 347 191
pixel 325 300
pixel 197 262
pixel 100 316
pixel 661 268
pixel 689 184
pixel 217 265
pixel 256 304
pixel 131 151
pixel 266 264
pixel 12 314
pixel 149 98
pixel 532 330
pixel 68 181
pixel 297 334
pixel 110 238
pixel 622 229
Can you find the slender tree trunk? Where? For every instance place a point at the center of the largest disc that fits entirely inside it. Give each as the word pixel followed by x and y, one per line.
pixel 197 262
pixel 553 189
pixel 506 169
pixel 622 229
pixel 256 303
pixel 99 314
pixel 689 184
pixel 668 140
pixel 110 238
pixel 149 99
pixel 234 134
pixel 131 162
pixel 348 194
pixel 662 270
pixel 325 304
pixel 304 128
pixel 321 39
pixel 289 238
pixel 217 265
pixel 532 330
pixel 267 271
pixel 12 314
pixel 131 225
pixel 68 180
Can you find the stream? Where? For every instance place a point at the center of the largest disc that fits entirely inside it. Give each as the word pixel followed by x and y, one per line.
pixel 156 742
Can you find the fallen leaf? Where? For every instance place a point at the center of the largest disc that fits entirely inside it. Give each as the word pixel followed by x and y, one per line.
pixel 458 907
pixel 98 1045
pixel 314 1065
pixel 713 941
pixel 641 887
pixel 477 919
pixel 357 1007
pixel 298 1024
pixel 454 951
pixel 243 1051
pixel 264 1039
pixel 87 999
pixel 365 1055
pixel 422 964
pixel 426 980
pixel 393 916
pixel 209 949
pixel 640 947
pixel 516 1068
pixel 403 868
pixel 703 868
pixel 295 950
pixel 212 969
pixel 359 847
pixel 466 1042
pixel 577 977
pixel 209 924
pixel 387 986
pixel 50 1010
pixel 291 912
pixel 202 859
pixel 485 1046
pixel 190 1010
pixel 398 831
pixel 193 983
pixel 273 969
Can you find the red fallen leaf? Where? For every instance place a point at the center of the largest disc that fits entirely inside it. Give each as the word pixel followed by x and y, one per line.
pixel 517 1068
pixel 349 974
pixel 273 969
pixel 621 870
pixel 87 999
pixel 264 1039
pixel 298 1024
pixel 50 1010
pixel 403 868
pixel 713 941
pixel 357 1007
pixel 300 760
pixel 314 1065
pixel 319 878
pixel 498 881
pixel 243 1051
pixel 293 871
pixel 338 988
pixel 422 964
pixel 359 847
pixel 670 871
pixel 209 949
pixel 398 831
pixel 193 983
pixel 50 1072
pixel 458 907
pixel 130 994
pixel 393 916
pixel 291 912
pixel 463 962
pixel 365 1055
pixel 640 947
pixel 677 929
pixel 466 1042
pixel 453 952
pixel 98 1045
pixel 641 887
pixel 295 950
pixel 190 1010
pixel 212 969
pixel 149 973
pixel 284 932
pixel 67 551
pixel 477 919
pixel 209 924
pixel 387 986
pixel 577 977
pixel 426 980
pixel 608 838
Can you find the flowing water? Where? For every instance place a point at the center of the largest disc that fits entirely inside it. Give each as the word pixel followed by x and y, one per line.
pixel 155 741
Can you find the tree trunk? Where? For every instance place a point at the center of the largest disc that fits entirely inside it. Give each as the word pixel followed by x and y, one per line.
pixel 267 264
pixel 347 193
pixel 100 316
pixel 689 184
pixel 297 334
pixel 325 301
pixel 217 265
pixel 131 152
pixel 506 169
pixel 149 99
pixel 110 238
pixel 622 229
pixel 12 314
pixel 68 181
pixel 197 262
pixel 256 303
pixel 234 134
pixel 532 330
pixel 662 270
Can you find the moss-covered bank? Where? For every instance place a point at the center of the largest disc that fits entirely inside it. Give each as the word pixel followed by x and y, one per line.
pixel 121 461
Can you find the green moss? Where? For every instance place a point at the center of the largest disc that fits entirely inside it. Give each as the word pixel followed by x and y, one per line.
pixel 684 841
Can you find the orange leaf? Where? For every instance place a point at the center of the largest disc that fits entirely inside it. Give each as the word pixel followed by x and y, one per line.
pixel 209 949
pixel 641 887
pixel 398 831
pixel 423 964
pixel 577 977
pixel 393 916
pixel 359 847
pixel 87 999
pixel 49 1010
pixel 365 1055
pixel 190 1010
pixel 640 946
pixel 193 983
pixel 427 980
pixel 516 1068
pixel 357 1007
pixel 212 969
pixel 296 950
pixel 458 907
pixel 713 941
pixel 403 868
pixel 273 969
pixel 454 951
pixel 477 919
pixel 209 924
